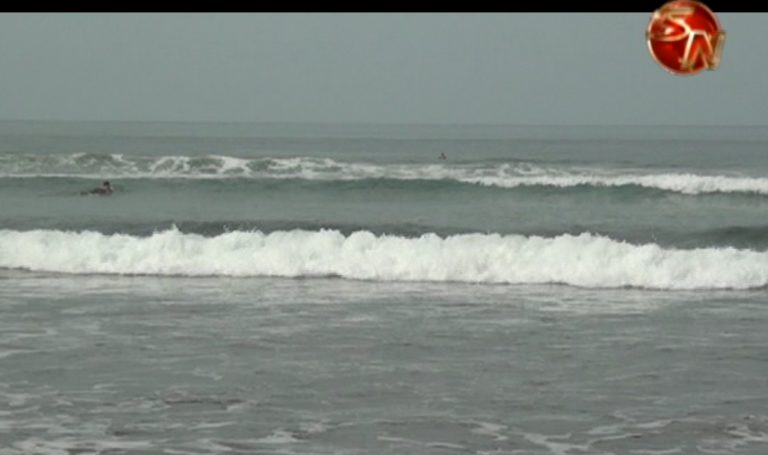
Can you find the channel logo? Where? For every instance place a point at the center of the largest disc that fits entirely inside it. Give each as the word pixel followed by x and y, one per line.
pixel 685 37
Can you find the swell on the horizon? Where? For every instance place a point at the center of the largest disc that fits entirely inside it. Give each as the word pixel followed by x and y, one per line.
pixel 511 174
pixel 584 260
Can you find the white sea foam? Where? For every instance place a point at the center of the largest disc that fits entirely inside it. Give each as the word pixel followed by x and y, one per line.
pixel 68 445
pixel 490 429
pixel 278 436
pixel 584 260
pixel 505 175
pixel 681 183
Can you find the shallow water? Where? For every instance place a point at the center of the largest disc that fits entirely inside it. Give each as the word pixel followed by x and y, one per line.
pixel 173 365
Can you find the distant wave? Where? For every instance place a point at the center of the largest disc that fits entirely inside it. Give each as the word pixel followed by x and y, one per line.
pixel 503 175
pixel 584 260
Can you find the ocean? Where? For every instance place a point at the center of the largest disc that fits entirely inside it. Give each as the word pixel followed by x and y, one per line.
pixel 343 289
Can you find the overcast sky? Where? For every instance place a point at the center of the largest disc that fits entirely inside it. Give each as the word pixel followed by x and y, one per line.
pixel 391 68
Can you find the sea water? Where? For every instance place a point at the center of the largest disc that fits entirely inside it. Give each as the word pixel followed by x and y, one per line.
pixel 342 289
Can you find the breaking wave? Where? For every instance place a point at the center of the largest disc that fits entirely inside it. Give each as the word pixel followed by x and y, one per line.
pixel 584 260
pixel 503 175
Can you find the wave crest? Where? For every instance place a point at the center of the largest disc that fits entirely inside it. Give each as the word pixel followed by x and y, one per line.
pixel 494 174
pixel 584 260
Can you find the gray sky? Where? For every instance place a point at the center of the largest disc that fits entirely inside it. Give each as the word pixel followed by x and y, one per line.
pixel 394 68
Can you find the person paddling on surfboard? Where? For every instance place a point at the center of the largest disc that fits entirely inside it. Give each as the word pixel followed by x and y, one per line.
pixel 104 190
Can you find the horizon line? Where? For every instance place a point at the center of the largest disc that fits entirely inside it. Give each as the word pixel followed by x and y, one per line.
pixel 372 123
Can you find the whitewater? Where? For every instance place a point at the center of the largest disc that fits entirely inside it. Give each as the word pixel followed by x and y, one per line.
pixel 584 260
pixel 495 174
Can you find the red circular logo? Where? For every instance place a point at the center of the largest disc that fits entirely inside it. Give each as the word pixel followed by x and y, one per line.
pixel 685 37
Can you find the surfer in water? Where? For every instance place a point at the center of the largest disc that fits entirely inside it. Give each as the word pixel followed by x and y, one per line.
pixel 104 190
pixel 443 157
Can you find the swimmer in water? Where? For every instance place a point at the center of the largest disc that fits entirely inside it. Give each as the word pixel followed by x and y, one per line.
pixel 443 157
pixel 104 190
